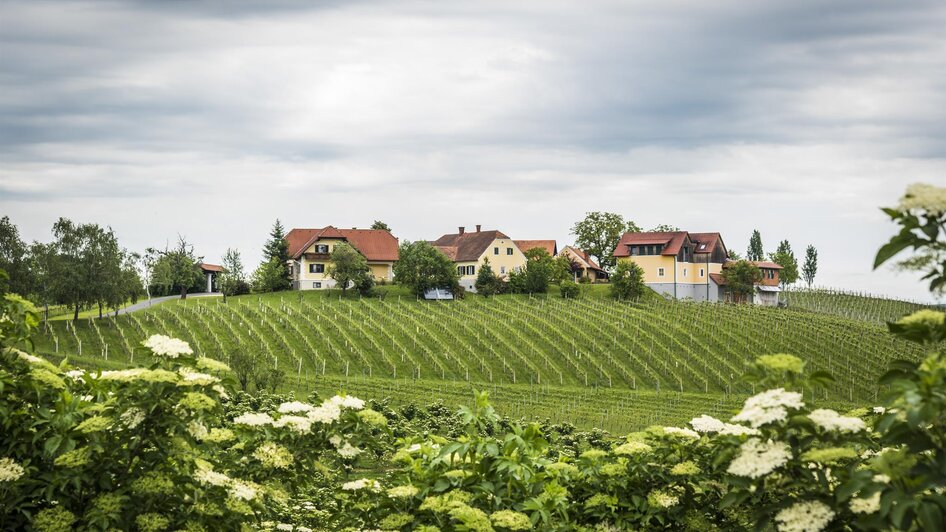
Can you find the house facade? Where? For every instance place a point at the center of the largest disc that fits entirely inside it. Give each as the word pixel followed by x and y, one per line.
pixel 583 266
pixel 310 254
pixel 469 250
pixel 678 264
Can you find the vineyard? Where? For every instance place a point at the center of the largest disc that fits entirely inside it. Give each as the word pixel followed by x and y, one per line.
pixel 593 359
pixel 851 305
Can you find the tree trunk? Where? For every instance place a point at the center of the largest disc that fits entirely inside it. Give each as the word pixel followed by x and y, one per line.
pixel 183 292
pixel 75 316
pixel 100 309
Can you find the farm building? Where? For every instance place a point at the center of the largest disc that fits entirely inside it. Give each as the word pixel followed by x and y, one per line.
pixel 310 254
pixel 582 265
pixel 468 251
pixel 766 291
pixel 678 264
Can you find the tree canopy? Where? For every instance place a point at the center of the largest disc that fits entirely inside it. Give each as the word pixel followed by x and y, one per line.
pixel 628 280
pixel 487 283
pixel 273 273
pixel 785 258
pixel 177 268
pixel 232 281
pixel 422 266
pixel 349 267
pixel 598 234
pixel 741 279
pixel 379 225
pixel 810 268
pixel 755 251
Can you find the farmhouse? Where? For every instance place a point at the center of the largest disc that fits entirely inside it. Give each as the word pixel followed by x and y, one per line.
pixel 766 290
pixel 310 254
pixel 678 264
pixel 468 251
pixel 582 265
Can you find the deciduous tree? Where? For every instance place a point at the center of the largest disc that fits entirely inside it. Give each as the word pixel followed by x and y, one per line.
pixel 379 225
pixel 177 268
pixel 741 279
pixel 810 268
pixel 349 267
pixel 627 282
pixel 785 257
pixel 14 259
pixel 232 281
pixel 421 267
pixel 664 228
pixel 598 234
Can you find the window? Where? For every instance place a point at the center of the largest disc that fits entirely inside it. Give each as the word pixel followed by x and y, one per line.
pixel 502 269
pixel 702 273
pixel 316 268
pixel 470 270
pixel 660 272
pixel 461 270
pixel 316 285
pixel 684 272
pixel 495 251
pixel 321 248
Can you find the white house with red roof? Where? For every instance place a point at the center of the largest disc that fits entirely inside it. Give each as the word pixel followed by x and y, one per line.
pixel 310 254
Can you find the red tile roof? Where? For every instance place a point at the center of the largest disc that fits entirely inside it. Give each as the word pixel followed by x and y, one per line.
pixel 467 246
pixel 767 264
pixel 210 267
pixel 672 242
pixel 718 279
pixel 584 256
pixel 374 244
pixel 708 239
pixel 548 245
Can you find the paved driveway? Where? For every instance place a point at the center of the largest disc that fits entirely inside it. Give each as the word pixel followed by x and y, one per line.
pixel 141 305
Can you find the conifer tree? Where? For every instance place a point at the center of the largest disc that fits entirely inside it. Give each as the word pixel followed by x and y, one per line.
pixel 810 268
pixel 755 251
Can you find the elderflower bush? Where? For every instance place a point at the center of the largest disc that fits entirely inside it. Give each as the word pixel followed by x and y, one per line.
pixel 151 448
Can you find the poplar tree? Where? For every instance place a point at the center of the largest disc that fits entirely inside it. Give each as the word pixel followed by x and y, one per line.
pixel 810 268
pixel 755 251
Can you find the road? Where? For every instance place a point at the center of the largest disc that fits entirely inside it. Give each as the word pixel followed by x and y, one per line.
pixel 141 305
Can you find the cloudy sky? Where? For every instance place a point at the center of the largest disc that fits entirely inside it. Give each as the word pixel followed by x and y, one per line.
pixel 212 119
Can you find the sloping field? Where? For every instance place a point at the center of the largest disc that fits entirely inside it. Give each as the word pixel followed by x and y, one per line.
pixel 855 306
pixel 587 343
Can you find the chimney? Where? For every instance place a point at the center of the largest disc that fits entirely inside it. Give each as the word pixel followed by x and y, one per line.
pixel 461 229
pixel 478 228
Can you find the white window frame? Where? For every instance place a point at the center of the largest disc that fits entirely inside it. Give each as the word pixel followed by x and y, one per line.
pixel 684 272
pixel 502 269
pixel 660 272
pixel 702 272
pixel 495 250
pixel 508 251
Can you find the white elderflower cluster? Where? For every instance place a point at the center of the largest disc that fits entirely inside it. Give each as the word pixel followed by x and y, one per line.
pixel 10 470
pixel 662 499
pixel 197 430
pixel 344 448
pixel 132 417
pixel 76 375
pixel 757 458
pixel 879 410
pixel 210 477
pixel 710 424
pixel 361 484
pixel 194 378
pixel 325 413
pixel 830 420
pixel 29 358
pixel 241 489
pixel 296 424
pixel 681 432
pixel 769 406
pixel 866 505
pixel 295 407
pixel 238 489
pixel 809 516
pixel 253 419
pixel 921 196
pixel 347 401
pixel 166 346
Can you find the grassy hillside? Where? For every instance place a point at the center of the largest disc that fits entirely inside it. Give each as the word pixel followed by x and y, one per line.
pixel 855 306
pixel 587 343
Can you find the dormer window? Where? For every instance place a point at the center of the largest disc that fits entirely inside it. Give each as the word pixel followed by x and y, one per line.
pixel 321 248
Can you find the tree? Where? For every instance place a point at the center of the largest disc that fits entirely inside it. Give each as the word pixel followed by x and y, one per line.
pixel 741 279
pixel 379 225
pixel 598 234
pixel 755 251
pixel 487 283
pixel 72 265
pixel 349 267
pixel 276 252
pixel 810 268
pixel 177 268
pixel 664 228
pixel 785 258
pixel 14 259
pixel 627 281
pixel 732 254
pixel 243 366
pixel 421 266
pixel 232 281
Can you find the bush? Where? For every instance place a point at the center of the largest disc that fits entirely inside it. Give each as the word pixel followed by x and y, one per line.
pixel 570 289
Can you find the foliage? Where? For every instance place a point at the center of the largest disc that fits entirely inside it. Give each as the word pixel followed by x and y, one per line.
pixel 232 280
pixel 755 251
pixel 487 283
pixel 15 259
pixel 733 255
pixel 422 267
pixel 178 268
pixel 598 234
pixel 379 225
pixel 272 275
pixel 810 268
pixel 627 282
pixel 349 268
pixel 921 216
pixel 664 228
pixel 741 278
pixel 570 289
pixel 785 258
pixel 151 449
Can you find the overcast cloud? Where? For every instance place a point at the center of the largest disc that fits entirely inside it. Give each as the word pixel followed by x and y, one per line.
pixel 799 118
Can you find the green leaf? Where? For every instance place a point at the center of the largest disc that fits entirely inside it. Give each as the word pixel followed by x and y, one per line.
pixel 896 245
pixel 733 498
pixel 52 444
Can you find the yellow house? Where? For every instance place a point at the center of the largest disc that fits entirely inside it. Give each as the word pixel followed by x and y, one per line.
pixel 582 265
pixel 469 250
pixel 310 254
pixel 679 264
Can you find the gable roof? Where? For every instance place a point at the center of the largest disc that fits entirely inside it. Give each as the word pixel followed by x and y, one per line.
pixel 718 279
pixel 672 242
pixel 584 257
pixel 709 240
pixel 210 267
pixel 374 244
pixel 548 245
pixel 759 263
pixel 466 246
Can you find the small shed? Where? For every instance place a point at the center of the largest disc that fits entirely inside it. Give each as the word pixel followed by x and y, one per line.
pixel 435 294
pixel 211 271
